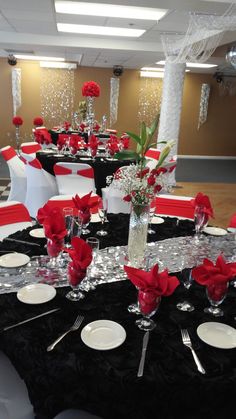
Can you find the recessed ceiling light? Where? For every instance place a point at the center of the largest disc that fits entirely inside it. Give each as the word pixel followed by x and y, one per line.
pixel 53 64
pixel 99 30
pixel 193 65
pixel 154 74
pixel 37 57
pixel 109 10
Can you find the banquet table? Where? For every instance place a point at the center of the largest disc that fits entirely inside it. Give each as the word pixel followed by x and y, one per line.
pixel 54 134
pixel 102 167
pixel 105 382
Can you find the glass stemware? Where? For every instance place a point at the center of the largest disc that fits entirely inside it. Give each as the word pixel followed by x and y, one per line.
pixel 69 219
pixel 200 221
pixel 85 217
pixel 102 212
pixel 187 280
pixel 151 214
pixel 216 294
pixel 91 280
pixel 74 279
pixel 148 304
pixel 54 249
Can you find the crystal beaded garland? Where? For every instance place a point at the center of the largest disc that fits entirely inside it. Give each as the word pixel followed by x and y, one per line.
pixel 150 93
pixel 57 95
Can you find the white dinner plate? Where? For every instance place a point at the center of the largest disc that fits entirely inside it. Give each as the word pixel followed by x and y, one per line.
pixel 157 220
pixel 36 293
pixel 215 231
pixel 103 335
pixel 14 260
pixel 58 155
pixel 85 158
pixel 216 334
pixel 231 230
pixel 110 159
pixel 37 232
pixel 95 218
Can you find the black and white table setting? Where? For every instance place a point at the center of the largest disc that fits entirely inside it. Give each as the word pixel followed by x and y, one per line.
pixel 101 375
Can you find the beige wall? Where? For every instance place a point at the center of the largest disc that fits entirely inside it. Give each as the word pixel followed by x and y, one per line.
pixel 215 137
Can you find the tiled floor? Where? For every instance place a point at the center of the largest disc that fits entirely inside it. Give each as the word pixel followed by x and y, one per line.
pixel 4 188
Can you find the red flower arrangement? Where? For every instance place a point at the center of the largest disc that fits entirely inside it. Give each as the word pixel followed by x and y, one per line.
pixel 38 121
pixel 17 121
pixel 91 88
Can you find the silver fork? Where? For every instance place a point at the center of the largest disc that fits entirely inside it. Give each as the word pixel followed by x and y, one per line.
pixel 73 328
pixel 187 342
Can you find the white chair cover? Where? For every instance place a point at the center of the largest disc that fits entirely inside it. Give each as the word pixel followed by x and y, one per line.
pixel 40 185
pixel 76 414
pixel 74 178
pixel 14 216
pixel 114 197
pixel 17 174
pixel 14 400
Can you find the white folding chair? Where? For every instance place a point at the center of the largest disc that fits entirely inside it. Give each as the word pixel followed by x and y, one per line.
pixel 17 174
pixel 40 185
pixel 114 198
pixel 14 216
pixel 152 155
pixel 74 178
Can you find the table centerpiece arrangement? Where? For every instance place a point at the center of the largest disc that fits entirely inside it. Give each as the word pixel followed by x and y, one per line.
pixel 140 186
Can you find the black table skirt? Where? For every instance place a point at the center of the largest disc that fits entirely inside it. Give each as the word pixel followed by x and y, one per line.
pixel 102 167
pixel 105 382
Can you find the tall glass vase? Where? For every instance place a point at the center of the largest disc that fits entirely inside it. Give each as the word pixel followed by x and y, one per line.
pixel 137 240
pixel 90 113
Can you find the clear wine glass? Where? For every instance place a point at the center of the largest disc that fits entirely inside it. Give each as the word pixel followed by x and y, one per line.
pixel 54 249
pixel 69 219
pixel 76 226
pixel 91 280
pixel 151 214
pixel 85 220
pixel 200 221
pixel 74 280
pixel 216 294
pixel 148 304
pixel 102 211
pixel 187 281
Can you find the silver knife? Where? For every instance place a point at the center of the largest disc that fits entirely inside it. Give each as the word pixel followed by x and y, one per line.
pixel 9 239
pixel 30 319
pixel 142 360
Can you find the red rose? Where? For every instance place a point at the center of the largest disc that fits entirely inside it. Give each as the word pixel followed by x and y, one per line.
pixel 90 88
pixel 127 198
pixel 17 121
pixel 38 121
pixel 151 180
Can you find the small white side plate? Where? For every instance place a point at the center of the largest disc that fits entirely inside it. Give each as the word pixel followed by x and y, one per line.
pixel 231 230
pixel 37 232
pixel 215 231
pixel 36 293
pixel 219 335
pixel 103 335
pixel 14 260
pixel 157 220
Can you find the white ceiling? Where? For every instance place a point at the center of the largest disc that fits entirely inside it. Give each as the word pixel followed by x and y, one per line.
pixel 30 26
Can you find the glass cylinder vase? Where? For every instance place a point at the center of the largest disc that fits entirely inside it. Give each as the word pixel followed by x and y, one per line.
pixel 90 113
pixel 138 226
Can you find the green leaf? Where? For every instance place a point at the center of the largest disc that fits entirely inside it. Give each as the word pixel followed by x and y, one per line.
pixel 126 154
pixel 154 125
pixel 163 155
pixel 135 137
pixel 143 133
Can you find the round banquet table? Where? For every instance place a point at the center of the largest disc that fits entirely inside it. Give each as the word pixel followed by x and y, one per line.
pixel 105 382
pixel 55 134
pixel 102 167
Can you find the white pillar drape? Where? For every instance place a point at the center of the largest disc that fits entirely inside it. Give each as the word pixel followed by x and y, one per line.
pixel 171 107
pixel 16 89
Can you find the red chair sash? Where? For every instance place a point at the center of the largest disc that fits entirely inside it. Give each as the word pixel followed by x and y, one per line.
pixel 61 170
pixel 35 163
pixel 8 153
pixel 29 149
pixel 86 173
pixel 174 207
pixel 153 154
pixel 69 203
pixel 14 214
